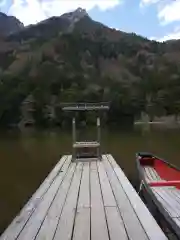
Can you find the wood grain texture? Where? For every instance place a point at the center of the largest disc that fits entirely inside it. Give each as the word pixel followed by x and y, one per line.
pixel 98 219
pixel 130 219
pixel 89 200
pixel 107 194
pixel 84 194
pixel 50 223
pixel 115 224
pixel 82 224
pixel 148 223
pixel 169 202
pixel 164 204
pixel 65 226
pixel 177 221
pixel 14 229
pixel 82 220
pixel 154 173
pixel 33 225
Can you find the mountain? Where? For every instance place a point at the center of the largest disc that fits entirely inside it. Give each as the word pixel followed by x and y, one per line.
pixel 74 58
pixel 9 24
pixel 50 27
pixel 75 16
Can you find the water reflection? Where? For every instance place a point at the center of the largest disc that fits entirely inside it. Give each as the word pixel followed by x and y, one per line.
pixel 26 158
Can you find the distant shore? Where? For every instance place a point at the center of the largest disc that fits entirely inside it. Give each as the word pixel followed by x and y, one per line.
pixel 157 122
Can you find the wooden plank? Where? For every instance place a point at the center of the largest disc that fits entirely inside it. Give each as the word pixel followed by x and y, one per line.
pixel 82 221
pixel 65 226
pixel 153 173
pixel 173 194
pixel 98 220
pixel 164 193
pixel 145 175
pixel 82 224
pixel 19 222
pixel 107 194
pixel 148 169
pixel 115 224
pixel 133 227
pixel 177 221
pixel 50 223
pixel 148 223
pixel 94 144
pixel 148 174
pixel 33 225
pixel 166 206
pixel 84 195
pixel 176 192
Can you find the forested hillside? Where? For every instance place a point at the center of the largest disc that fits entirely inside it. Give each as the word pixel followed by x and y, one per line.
pixel 73 58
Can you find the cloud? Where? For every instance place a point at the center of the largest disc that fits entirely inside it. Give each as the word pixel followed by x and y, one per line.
pixel 153 38
pixel 144 3
pixel 170 36
pixel 27 11
pixel 170 12
pixel 33 11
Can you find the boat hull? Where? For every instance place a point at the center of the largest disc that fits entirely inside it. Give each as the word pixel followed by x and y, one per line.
pixel 156 207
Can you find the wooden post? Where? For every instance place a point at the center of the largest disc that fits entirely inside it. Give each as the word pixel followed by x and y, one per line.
pixel 99 137
pixel 73 138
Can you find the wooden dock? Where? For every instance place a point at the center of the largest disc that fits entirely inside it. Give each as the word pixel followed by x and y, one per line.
pixel 90 200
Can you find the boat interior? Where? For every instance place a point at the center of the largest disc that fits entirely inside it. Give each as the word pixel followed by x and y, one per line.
pixel 164 181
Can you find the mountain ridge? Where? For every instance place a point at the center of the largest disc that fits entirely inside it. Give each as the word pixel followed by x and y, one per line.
pixel 9 24
pixel 74 58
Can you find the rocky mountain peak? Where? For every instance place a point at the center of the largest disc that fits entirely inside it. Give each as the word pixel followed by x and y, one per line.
pixel 80 11
pixel 75 15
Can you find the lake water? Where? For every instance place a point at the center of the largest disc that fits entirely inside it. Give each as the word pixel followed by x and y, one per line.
pixel 26 158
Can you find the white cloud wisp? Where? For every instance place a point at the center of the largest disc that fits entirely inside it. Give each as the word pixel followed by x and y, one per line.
pixel 33 11
pixel 145 3
pixel 169 12
pixel 174 35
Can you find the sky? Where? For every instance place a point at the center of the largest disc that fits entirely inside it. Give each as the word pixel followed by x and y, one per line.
pixel 154 19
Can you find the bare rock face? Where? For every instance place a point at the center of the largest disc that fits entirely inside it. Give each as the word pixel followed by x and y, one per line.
pixel 9 24
pixel 75 16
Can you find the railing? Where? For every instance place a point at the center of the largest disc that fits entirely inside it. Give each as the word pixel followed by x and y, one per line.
pixel 85 106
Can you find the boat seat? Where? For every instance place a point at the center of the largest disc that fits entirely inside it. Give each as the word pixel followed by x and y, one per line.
pixel 151 174
pixel 175 183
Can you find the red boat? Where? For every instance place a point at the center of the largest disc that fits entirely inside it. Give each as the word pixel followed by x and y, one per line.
pixel 160 184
